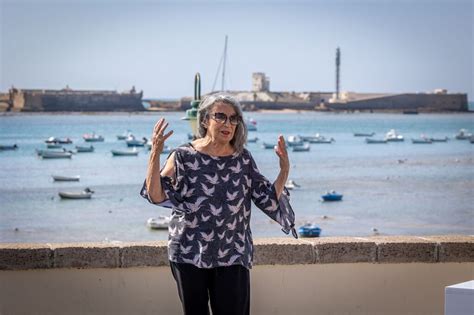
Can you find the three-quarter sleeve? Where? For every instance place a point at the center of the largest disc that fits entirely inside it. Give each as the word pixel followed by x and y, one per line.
pixel 264 197
pixel 171 187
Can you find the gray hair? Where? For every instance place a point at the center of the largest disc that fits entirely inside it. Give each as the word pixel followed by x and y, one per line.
pixel 240 135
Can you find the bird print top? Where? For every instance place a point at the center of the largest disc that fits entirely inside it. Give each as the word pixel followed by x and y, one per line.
pixel 211 204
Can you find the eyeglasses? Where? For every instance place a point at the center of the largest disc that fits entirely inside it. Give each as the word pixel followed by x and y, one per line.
pixel 222 118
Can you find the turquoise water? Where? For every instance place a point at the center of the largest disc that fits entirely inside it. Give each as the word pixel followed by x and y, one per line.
pixel 399 188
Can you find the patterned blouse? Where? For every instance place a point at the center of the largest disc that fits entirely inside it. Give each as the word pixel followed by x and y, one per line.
pixel 211 202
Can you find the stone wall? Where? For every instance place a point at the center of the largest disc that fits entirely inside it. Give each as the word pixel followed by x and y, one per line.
pixel 402 249
pixel 36 100
pixel 421 102
pixel 334 275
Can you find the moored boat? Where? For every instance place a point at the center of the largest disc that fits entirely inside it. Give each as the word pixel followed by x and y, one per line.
pixel 133 142
pixel 46 154
pixel 445 139
pixel 84 194
pixel 393 136
pixel 294 141
pixel 60 178
pixel 375 141
pixel 125 135
pixel 84 149
pixel 301 148
pixel 159 223
pixel 133 152
pixel 421 141
pixel 92 137
pixel 363 134
pixel 309 230
pixel 8 147
pixel 266 145
pixel 291 184
pixel 252 139
pixel 251 124
pixel 57 140
pixel 54 145
pixel 463 134
pixel 332 196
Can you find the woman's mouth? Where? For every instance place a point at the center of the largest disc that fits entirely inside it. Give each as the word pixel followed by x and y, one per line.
pixel 225 133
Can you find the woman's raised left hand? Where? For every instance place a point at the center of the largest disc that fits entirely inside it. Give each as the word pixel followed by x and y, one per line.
pixel 280 150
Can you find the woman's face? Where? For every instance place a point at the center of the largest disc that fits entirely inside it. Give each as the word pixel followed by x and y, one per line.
pixel 222 122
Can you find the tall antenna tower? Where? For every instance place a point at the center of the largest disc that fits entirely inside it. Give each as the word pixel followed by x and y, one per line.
pixel 338 64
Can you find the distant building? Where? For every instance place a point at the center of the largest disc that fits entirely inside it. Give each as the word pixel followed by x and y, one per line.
pixel 260 82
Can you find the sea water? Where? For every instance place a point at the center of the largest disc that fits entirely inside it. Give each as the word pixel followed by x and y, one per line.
pixel 398 188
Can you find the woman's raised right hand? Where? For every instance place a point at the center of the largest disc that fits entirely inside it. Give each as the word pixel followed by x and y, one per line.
pixel 158 137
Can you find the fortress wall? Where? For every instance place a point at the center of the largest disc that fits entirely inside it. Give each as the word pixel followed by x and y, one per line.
pixel 82 102
pixel 279 105
pixel 431 102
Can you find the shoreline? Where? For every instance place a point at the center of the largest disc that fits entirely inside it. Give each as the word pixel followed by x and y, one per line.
pixel 262 111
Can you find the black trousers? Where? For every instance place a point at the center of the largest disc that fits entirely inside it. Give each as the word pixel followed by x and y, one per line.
pixel 227 288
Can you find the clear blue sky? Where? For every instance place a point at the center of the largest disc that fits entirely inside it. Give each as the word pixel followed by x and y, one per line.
pixel 387 46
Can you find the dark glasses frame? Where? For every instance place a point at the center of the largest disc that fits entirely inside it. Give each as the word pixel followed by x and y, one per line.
pixel 222 118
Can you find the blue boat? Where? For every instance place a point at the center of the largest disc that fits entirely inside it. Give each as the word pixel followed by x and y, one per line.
pixel 332 196
pixel 309 230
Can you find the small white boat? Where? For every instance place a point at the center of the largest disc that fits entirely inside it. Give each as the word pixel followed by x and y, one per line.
pixel 393 136
pixel 60 178
pixel 293 141
pixel 463 134
pixel 317 138
pixel 55 154
pixel 125 135
pixel 40 152
pixel 85 194
pixel 133 152
pixel 56 140
pixel 133 142
pixel 251 124
pixel 84 149
pixel 160 223
pixel 291 184
pixel 92 137
pixel 301 148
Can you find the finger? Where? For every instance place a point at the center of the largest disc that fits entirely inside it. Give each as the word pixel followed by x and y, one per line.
pixel 158 125
pixel 283 146
pixel 166 136
pixel 163 128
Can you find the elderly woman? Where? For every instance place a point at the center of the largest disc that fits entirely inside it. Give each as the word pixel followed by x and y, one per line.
pixel 210 184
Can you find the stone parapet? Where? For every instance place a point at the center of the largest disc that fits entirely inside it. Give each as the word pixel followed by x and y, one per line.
pixel 271 251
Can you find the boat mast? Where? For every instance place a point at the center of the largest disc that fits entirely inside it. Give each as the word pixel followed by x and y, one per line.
pixel 338 64
pixel 222 63
pixel 223 66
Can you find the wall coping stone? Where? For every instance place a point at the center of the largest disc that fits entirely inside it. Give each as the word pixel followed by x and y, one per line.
pixel 268 251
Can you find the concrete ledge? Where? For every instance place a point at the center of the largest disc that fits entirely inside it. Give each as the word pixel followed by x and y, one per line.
pixel 88 255
pixel 144 254
pixel 460 249
pixel 405 249
pixel 25 256
pixel 344 250
pixel 282 251
pixel 274 251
